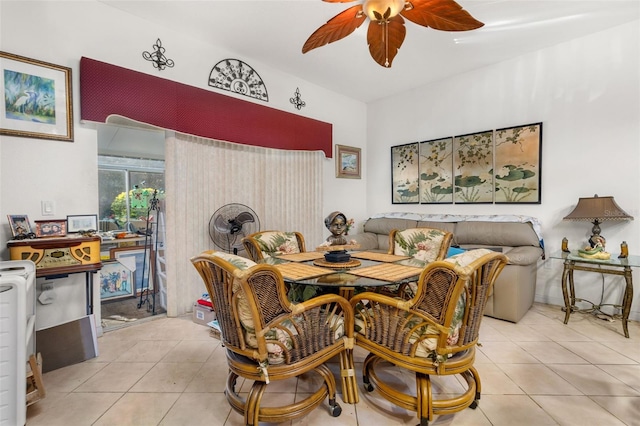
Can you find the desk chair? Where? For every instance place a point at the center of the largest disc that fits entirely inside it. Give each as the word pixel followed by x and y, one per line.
pixel 433 334
pixel 267 338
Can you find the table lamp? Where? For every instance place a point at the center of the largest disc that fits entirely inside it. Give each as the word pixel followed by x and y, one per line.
pixel 596 210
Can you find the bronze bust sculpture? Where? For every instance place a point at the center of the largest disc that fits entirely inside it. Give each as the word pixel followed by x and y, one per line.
pixel 336 223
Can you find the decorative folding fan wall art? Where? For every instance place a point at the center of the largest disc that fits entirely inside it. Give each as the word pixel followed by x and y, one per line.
pixel 234 75
pixel 500 166
pixel 386 30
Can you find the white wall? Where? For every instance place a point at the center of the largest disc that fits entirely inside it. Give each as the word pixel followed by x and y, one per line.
pixel 587 94
pixel 61 32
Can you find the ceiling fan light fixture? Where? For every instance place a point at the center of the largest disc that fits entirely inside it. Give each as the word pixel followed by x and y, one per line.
pixel 382 10
pixel 387 31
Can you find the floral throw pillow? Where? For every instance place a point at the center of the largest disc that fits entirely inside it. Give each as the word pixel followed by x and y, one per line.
pixel 419 243
pixel 274 243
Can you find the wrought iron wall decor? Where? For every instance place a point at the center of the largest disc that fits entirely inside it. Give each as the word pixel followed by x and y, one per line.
pixel 236 76
pixel 297 101
pixel 500 166
pixel 157 57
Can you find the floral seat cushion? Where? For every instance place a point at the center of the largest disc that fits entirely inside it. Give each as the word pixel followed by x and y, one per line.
pixel 422 245
pixel 274 243
pixel 281 339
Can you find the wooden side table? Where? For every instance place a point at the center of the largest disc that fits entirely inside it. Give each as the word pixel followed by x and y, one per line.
pixel 613 266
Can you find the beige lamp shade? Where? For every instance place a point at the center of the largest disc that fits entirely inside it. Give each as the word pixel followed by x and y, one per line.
pixel 597 210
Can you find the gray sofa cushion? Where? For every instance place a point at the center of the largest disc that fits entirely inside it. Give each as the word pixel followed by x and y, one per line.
pixel 385 225
pixel 445 226
pixel 366 241
pixel 510 234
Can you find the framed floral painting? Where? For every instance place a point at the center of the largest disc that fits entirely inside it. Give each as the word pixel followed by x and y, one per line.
pixel 405 169
pixel 518 152
pixel 472 167
pixel 436 166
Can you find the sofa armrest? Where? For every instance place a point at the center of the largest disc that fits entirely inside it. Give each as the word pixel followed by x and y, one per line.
pixel 366 240
pixel 524 255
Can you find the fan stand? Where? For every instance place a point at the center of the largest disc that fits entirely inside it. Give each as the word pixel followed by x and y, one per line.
pixel 146 268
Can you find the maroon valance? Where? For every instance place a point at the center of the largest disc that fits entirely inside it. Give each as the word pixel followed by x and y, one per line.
pixel 106 90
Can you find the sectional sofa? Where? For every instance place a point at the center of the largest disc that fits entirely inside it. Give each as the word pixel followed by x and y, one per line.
pixel 518 237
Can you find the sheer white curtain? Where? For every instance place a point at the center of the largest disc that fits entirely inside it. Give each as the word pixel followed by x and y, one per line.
pixel 283 187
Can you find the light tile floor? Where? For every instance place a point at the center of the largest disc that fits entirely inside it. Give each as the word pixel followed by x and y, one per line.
pixel 170 371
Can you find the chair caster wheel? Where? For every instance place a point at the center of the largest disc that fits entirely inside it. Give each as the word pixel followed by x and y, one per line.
pixel 474 405
pixel 335 410
pixel 368 387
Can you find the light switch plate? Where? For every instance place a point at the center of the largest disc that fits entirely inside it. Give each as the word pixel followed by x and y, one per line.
pixel 48 208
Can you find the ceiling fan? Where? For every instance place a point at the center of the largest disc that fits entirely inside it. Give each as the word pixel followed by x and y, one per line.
pixel 386 30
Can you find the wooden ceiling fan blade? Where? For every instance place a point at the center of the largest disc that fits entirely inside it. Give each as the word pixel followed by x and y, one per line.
pixel 336 28
pixel 385 39
pixel 443 15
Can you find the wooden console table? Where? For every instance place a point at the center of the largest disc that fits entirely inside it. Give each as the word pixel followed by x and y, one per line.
pixel 613 266
pixel 58 257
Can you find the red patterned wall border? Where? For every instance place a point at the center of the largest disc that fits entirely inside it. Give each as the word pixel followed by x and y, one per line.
pixel 106 89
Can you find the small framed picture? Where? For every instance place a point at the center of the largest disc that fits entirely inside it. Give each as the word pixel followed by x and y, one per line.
pixel 51 228
pixel 80 223
pixel 347 162
pixel 20 226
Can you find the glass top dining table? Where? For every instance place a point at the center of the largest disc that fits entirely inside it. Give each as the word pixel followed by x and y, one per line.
pixel 364 269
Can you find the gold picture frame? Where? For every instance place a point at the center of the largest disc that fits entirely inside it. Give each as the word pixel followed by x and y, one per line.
pixel 37 99
pixel 347 162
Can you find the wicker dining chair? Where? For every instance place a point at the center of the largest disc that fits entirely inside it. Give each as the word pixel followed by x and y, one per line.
pixel 422 245
pixel 432 334
pixel 269 339
pixel 263 244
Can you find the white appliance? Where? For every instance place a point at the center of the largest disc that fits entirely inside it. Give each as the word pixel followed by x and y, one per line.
pixel 17 337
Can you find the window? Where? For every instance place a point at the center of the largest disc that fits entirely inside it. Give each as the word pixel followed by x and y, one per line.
pixel 121 179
